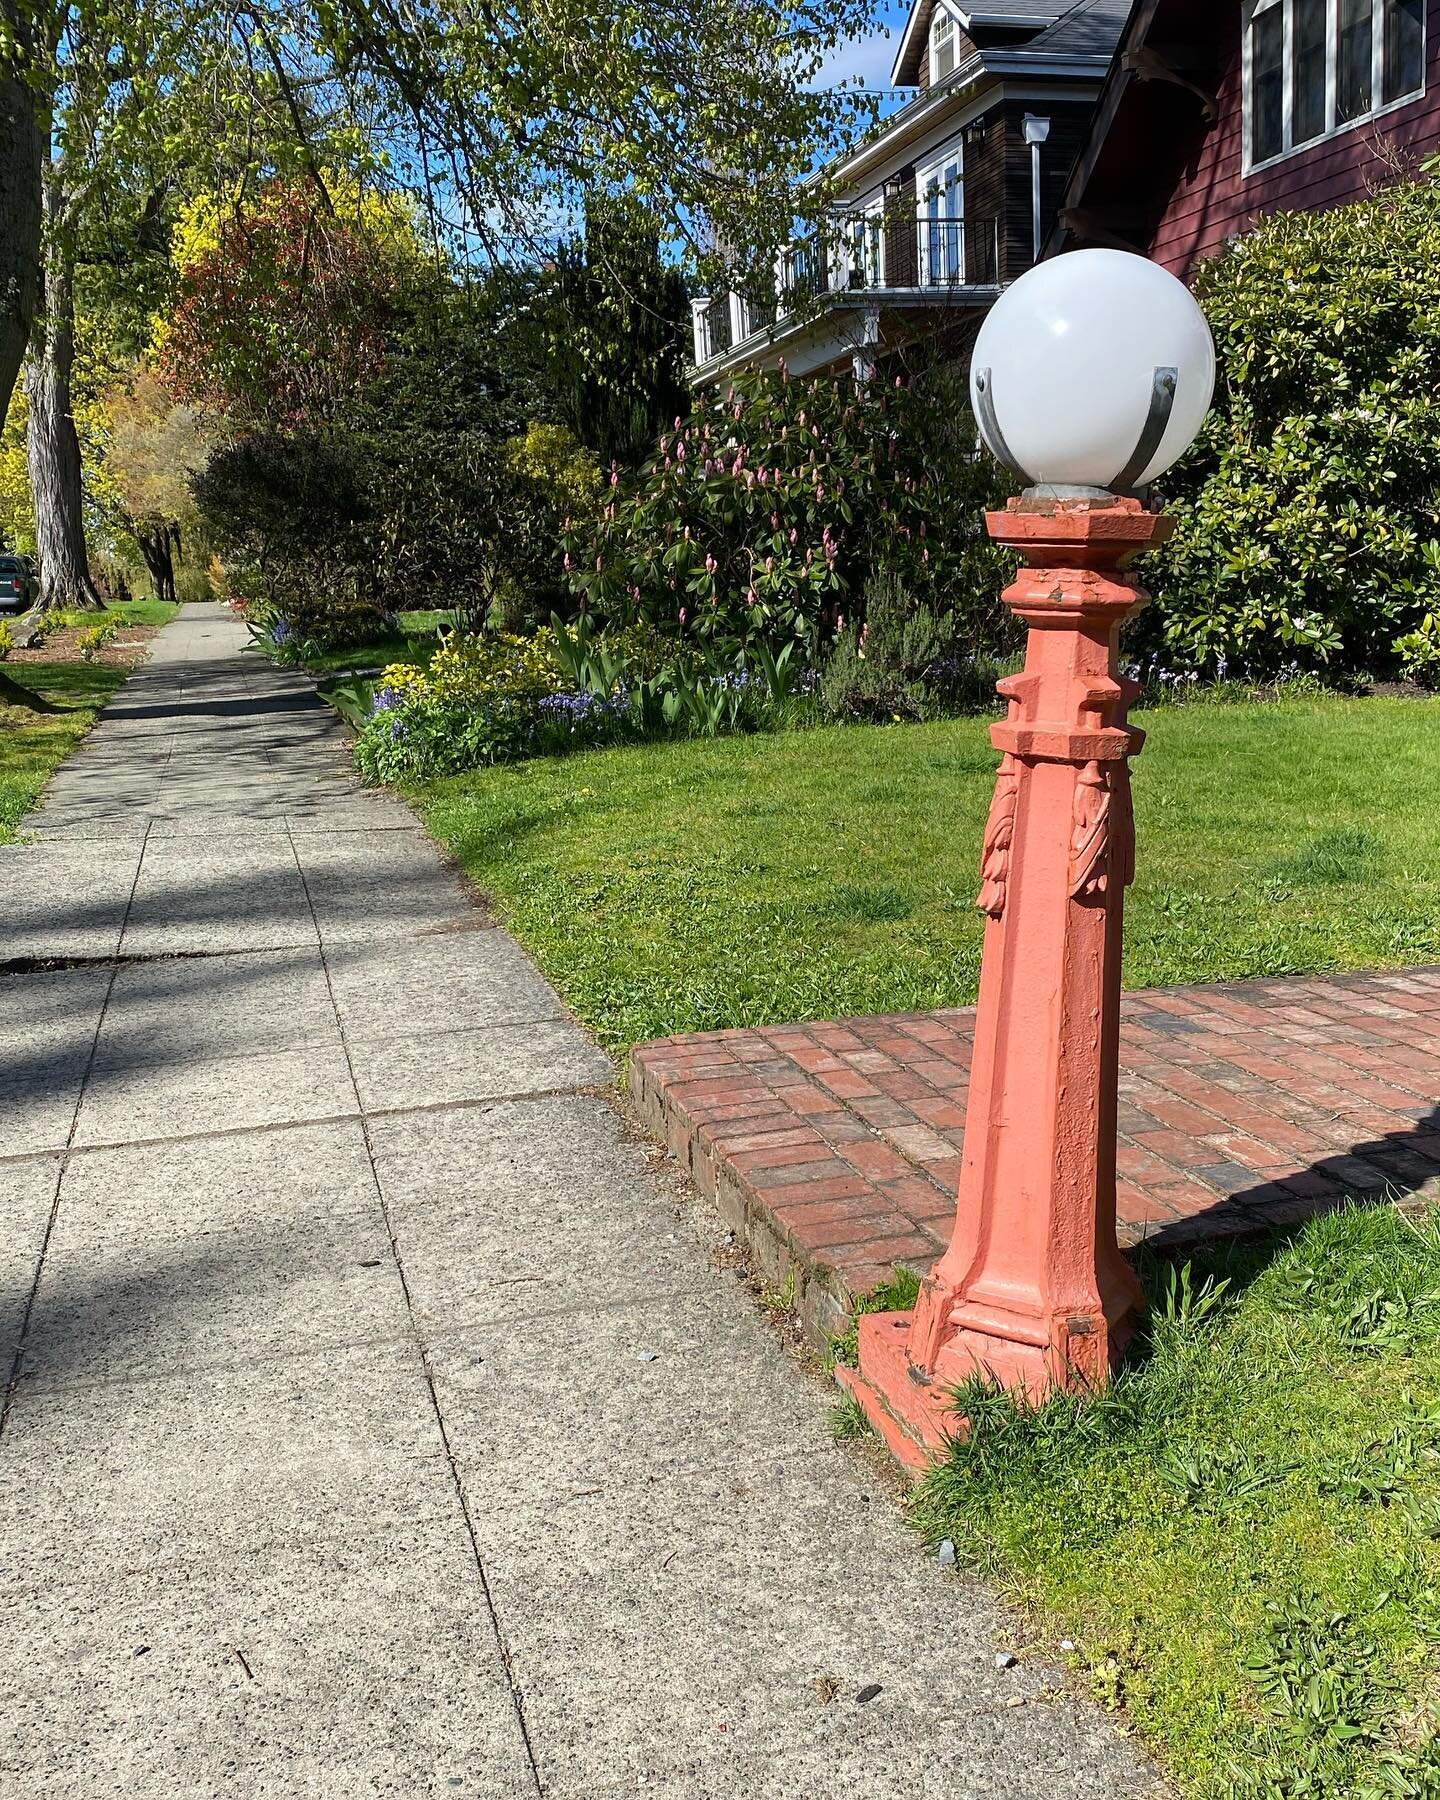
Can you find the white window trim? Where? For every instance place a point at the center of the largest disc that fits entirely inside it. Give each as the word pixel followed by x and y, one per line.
pixel 1377 69
pixel 871 217
pixel 934 170
pixel 943 14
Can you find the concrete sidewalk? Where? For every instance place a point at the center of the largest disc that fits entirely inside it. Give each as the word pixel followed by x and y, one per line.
pixel 380 1423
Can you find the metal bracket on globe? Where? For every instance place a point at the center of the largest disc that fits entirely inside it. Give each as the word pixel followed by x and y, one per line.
pixel 990 426
pixel 1162 404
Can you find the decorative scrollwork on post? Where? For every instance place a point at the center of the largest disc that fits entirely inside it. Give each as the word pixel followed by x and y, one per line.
pixel 999 840
pixel 1102 845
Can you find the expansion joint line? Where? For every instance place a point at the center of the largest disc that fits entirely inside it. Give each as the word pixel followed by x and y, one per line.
pixel 516 1698
pixel 17 1363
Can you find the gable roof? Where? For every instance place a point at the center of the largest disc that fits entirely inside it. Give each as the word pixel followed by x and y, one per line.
pixel 1056 27
pixel 1139 137
pixel 970 16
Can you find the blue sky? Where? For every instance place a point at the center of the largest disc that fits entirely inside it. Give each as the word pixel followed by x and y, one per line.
pixel 869 57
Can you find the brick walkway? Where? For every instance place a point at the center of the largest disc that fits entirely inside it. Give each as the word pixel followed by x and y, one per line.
pixel 835 1148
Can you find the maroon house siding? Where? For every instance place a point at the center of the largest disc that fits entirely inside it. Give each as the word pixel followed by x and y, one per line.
pixel 1157 175
pixel 1213 200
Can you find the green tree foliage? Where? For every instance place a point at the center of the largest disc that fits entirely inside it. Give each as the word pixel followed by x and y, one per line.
pixel 768 508
pixel 705 112
pixel 1309 511
pixel 153 447
pixel 616 321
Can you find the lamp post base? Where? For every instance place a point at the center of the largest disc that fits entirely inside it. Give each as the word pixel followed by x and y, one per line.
pixel 914 1419
pixel 913 1408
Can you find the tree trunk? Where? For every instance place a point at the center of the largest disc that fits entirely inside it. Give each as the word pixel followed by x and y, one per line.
pixel 52 443
pixel 21 155
pixel 158 549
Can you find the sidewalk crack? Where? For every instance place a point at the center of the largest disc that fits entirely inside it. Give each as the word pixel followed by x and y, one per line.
pixel 517 1699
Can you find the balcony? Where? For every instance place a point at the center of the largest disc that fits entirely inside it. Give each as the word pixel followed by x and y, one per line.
pixel 923 259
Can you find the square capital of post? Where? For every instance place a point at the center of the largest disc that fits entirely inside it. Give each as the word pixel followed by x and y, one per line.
pixel 1044 527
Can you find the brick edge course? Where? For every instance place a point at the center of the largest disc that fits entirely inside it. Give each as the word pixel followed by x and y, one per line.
pixel 833 1149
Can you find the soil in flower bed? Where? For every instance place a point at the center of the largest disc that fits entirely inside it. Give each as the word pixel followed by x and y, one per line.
pixel 124 650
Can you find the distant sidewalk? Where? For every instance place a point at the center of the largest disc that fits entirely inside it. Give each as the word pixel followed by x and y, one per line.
pixel 836 1148
pixel 379 1422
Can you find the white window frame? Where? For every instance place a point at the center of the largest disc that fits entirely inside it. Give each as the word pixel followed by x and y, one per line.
pixel 933 173
pixel 943 16
pixel 1253 9
pixel 868 222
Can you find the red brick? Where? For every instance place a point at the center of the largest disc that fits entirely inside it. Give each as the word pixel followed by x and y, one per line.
pixel 846 1083
pixel 919 1143
pixel 1311 1085
pixel 876 1159
pixel 811 1100
pixel 871 1230
pixel 780 1156
pixel 1175 1147
pixel 739 1140
pixel 1180 1115
pixel 944 1115
pixel 851 1190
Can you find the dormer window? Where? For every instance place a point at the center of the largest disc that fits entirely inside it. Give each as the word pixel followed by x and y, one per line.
pixel 944 46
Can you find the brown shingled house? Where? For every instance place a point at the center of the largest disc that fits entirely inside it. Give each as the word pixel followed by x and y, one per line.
pixel 943 204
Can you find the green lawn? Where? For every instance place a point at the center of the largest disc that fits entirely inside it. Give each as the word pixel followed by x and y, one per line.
pixel 1240 1538
pixel 679 887
pixel 143 612
pixel 33 744
pixel 415 642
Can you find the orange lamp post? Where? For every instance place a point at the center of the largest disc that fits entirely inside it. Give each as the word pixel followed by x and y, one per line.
pixel 1033 1290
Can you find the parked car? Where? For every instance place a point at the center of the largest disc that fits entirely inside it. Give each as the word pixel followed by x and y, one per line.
pixel 17 584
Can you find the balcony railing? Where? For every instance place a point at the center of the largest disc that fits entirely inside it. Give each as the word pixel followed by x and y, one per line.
pixel 862 253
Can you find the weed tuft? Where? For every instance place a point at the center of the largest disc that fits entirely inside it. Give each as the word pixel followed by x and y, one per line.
pixel 899 1294
pixel 1343 854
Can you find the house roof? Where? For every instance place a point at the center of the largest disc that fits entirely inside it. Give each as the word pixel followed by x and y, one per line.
pixel 1054 27
pixel 1088 28
pixel 1142 130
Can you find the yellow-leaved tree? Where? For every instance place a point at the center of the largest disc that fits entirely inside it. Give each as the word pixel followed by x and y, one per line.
pixel 153 445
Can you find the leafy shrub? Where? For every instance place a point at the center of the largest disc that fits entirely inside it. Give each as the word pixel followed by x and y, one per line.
pixel 91 642
pixel 765 512
pixel 495 697
pixel 7 641
pixel 193 586
pixel 483 699
pixel 1309 511
pixel 337 529
pixel 1419 652
pixel 904 662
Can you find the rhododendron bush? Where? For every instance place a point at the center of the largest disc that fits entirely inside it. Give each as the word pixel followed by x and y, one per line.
pixel 764 513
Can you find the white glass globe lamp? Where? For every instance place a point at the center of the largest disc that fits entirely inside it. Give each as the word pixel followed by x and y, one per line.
pixel 1093 373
